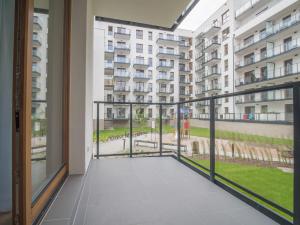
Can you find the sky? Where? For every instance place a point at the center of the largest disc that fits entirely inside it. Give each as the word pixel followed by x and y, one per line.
pixel 203 10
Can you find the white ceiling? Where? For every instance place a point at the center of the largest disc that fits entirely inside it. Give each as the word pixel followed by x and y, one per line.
pixel 162 13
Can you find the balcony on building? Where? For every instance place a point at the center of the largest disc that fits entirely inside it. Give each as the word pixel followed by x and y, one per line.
pixel 121 89
pixel 163 77
pixel 36 56
pixel 122 75
pixel 279 52
pixel 122 48
pixel 164 66
pixel 199 68
pixel 109 52
pixel 184 93
pixel 288 73
pixel 248 8
pixel 164 91
pixel 184 81
pixel 270 33
pixel 212 59
pixel 122 33
pixel 167 39
pixel 108 67
pixel 212 73
pixel 141 90
pixel 36 40
pixel 199 55
pixel 184 70
pixel 199 80
pixel 36 86
pixel 140 64
pixel 141 76
pixel 167 53
pixel 202 104
pixel 213 89
pixel 36 70
pixel 37 23
pixel 212 29
pixel 212 45
pixel 184 44
pixel 122 62
pixel 184 58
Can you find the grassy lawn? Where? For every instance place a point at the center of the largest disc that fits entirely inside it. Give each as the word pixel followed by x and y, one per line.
pixel 200 132
pixel 271 183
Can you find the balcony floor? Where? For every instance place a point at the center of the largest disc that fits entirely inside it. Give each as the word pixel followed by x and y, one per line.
pixel 144 191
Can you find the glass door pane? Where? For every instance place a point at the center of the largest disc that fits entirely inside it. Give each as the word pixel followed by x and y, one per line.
pixel 47 92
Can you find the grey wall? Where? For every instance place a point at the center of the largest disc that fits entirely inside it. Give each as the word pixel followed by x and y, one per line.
pixel 6 78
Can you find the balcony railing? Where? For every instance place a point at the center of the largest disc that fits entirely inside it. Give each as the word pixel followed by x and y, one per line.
pixel 36 40
pixel 37 23
pixel 167 52
pixel 212 58
pixel 164 77
pixel 121 89
pixel 138 75
pixel 164 65
pixel 265 97
pixel 212 43
pixel 270 53
pixel 122 74
pixel 122 60
pixel 270 74
pixel 142 89
pixel 168 38
pixel 223 139
pixel 245 7
pixel 270 31
pixel 164 91
pixel 140 63
pixel 122 33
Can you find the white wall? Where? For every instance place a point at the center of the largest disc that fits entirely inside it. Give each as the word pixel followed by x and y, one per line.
pixel 81 87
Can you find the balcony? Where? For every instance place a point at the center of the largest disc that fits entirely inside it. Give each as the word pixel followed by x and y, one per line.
pixel 122 34
pixel 164 91
pixel 108 84
pixel 166 53
pixel 164 78
pixel 122 62
pixel 213 89
pixel 122 49
pixel 184 59
pixel 36 40
pixel 184 45
pixel 141 76
pixel 36 70
pixel 212 59
pixel 184 70
pixel 185 93
pixel 141 90
pixel 271 33
pixel 279 75
pixel 270 96
pixel 278 52
pixel 245 8
pixel 165 66
pixel 109 52
pixel 199 55
pixel 108 68
pixel 140 64
pixel 212 45
pixel 167 40
pixel 36 56
pixel 122 75
pixel 185 82
pixel 199 80
pixel 212 30
pixel 37 24
pixel 121 89
pixel 212 74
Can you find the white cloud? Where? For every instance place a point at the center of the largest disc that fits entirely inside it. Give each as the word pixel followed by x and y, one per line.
pixel 203 10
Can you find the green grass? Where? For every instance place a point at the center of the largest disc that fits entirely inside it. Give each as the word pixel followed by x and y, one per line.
pixel 201 132
pixel 271 183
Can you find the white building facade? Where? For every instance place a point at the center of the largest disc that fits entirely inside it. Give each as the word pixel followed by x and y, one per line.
pixel 141 65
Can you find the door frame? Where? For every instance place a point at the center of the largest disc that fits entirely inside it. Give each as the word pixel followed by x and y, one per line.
pixel 29 211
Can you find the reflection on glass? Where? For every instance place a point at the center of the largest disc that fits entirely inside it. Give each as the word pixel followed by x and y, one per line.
pixel 47 92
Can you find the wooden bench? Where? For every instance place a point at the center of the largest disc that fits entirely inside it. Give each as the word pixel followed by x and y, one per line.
pixel 144 143
pixel 168 146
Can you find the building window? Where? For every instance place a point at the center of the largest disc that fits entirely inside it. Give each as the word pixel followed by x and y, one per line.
pixel 150 110
pixel 225 17
pixel 110 30
pixel 139 48
pixel 150 73
pixel 150 35
pixel 150 49
pixel 226 81
pixel 226 49
pixel 172 63
pixel 225 33
pixel 139 34
pixel 150 62
pixel 264 109
pixel 249 40
pixel 226 110
pixel 226 65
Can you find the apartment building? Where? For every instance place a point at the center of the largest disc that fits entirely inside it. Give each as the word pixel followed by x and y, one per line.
pixel 141 65
pixel 248 44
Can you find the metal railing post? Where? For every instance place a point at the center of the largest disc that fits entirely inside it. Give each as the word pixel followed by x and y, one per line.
pixel 98 127
pixel 160 129
pixel 130 135
pixel 212 139
pixel 296 97
pixel 178 131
